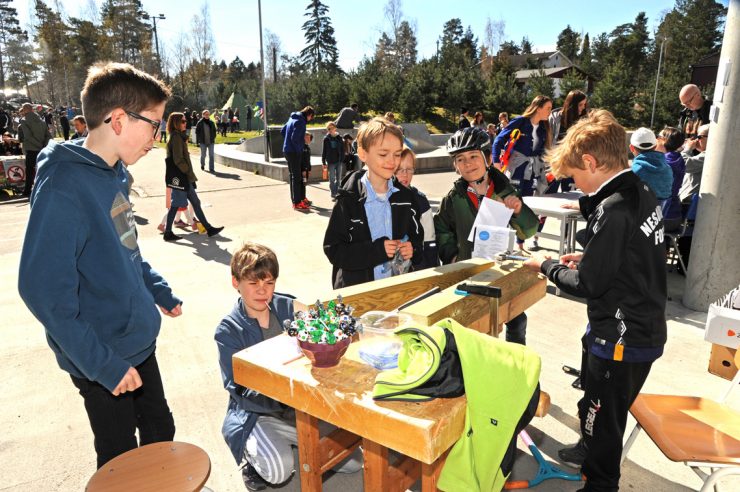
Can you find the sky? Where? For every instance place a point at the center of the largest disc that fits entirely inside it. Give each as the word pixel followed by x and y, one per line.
pixel 359 23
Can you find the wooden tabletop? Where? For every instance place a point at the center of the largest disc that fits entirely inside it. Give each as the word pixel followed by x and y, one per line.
pixel 342 395
pixel 158 467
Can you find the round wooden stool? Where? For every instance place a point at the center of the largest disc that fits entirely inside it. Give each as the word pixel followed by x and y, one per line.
pixel 161 466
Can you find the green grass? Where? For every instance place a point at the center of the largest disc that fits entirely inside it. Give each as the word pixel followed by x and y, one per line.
pixel 229 138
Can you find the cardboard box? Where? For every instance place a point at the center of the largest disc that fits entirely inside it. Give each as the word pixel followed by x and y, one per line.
pixel 723 321
pixel 722 363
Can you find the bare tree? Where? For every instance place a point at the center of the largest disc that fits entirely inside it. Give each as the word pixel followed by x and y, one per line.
pixel 273 53
pixel 393 11
pixel 181 60
pixel 202 36
pixel 493 35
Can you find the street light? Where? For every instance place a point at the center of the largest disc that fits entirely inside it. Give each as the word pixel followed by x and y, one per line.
pixel 154 19
pixel 657 79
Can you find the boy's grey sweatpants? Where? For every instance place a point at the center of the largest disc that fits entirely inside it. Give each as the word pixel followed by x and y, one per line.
pixel 269 449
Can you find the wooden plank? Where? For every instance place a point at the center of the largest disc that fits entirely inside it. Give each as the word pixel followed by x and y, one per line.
pixel 402 475
pixel 342 395
pixel 375 466
pixel 388 293
pixel 336 447
pixel 307 428
pixel 510 277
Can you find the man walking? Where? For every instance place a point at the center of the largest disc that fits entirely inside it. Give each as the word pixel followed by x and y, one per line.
pixel 294 132
pixel 34 135
pixel 205 136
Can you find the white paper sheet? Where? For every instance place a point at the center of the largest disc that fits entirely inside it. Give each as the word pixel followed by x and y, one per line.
pixel 490 241
pixel 492 214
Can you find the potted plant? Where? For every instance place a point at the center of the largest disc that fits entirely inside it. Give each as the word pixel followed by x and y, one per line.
pixel 323 333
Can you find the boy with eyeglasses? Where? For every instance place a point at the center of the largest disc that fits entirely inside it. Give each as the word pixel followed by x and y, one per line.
pixel 404 175
pixel 81 271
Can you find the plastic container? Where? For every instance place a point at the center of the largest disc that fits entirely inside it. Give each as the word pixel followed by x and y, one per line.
pixel 379 346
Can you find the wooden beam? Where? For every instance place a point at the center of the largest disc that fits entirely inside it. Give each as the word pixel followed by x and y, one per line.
pixel 388 293
pixel 307 428
pixel 404 474
pixel 376 466
pixel 336 447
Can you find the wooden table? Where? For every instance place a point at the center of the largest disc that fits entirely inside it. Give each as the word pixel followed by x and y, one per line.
pixel 342 395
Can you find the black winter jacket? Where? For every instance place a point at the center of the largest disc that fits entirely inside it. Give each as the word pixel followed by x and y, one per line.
pixel 200 135
pixel 348 243
pixel 622 272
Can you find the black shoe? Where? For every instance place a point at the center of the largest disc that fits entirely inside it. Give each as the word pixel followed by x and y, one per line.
pixel 252 480
pixel 575 455
pixel 171 236
pixel 214 231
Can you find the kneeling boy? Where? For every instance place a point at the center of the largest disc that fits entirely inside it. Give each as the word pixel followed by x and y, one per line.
pixel 621 273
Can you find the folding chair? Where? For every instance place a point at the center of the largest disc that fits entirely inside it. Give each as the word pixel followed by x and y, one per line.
pixel 686 229
pixel 701 432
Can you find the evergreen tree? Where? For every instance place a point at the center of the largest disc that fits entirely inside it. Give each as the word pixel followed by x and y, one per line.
pixel 585 56
pixel 600 55
pixel 406 46
pixel 51 34
pixel 321 51
pixel 614 92
pixel 571 81
pixel 9 31
pixel 526 46
pixel 126 36
pixel 510 48
pixel 568 43
pixel 503 94
pixel 541 85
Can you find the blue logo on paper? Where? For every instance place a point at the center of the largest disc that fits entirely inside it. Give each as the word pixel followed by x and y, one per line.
pixel 484 236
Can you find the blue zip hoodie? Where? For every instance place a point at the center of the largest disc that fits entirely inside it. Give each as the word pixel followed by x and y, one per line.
pixel 293 132
pixel 652 170
pixel 236 332
pixel 525 143
pixel 678 166
pixel 81 272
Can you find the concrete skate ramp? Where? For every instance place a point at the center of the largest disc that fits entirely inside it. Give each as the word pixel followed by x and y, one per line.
pixel 418 135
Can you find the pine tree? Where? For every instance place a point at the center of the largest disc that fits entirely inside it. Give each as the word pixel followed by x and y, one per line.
pixel 9 31
pixel 541 85
pixel 585 56
pixel 126 37
pixel 502 94
pixel 526 46
pixel 321 51
pixel 614 92
pixel 568 42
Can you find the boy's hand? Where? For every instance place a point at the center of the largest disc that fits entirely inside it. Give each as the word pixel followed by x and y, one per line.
pixel 571 205
pixel 407 250
pixel 571 260
pixel 514 203
pixel 176 311
pixel 391 245
pixel 130 382
pixel 535 263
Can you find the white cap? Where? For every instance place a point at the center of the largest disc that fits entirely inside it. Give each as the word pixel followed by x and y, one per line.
pixel 643 139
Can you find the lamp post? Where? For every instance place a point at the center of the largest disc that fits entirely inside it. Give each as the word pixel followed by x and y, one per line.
pixel 657 79
pixel 154 19
pixel 264 95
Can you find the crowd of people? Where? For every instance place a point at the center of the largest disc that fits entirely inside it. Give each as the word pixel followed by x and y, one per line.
pixel 103 328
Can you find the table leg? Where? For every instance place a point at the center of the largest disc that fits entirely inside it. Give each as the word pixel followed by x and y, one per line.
pixel 376 466
pixel 430 474
pixel 307 428
pixel 563 238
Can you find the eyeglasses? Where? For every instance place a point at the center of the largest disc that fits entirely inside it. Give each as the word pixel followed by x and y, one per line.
pixel 409 171
pixel 699 137
pixel 691 99
pixel 155 124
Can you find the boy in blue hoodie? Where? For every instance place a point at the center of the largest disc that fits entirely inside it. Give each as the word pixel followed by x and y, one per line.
pixel 81 271
pixel 259 431
pixel 649 164
pixel 293 140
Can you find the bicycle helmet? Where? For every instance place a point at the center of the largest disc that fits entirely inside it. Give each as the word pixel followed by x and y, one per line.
pixel 468 139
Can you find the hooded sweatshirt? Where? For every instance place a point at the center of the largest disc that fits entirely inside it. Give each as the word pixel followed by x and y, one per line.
pixel 293 132
pixel 678 167
pixel 81 271
pixel 652 170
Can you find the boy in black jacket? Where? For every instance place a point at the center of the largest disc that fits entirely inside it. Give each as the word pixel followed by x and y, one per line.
pixel 621 273
pixel 332 155
pixel 375 217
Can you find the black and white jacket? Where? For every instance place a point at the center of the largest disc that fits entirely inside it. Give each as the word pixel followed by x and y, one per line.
pixel 348 243
pixel 622 273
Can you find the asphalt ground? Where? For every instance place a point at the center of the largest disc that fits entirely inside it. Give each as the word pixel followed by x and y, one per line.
pixel 47 444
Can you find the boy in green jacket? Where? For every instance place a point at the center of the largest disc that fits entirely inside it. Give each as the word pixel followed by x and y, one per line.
pixel 458 209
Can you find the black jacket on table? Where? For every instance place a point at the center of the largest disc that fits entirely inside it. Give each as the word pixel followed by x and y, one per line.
pixel 622 273
pixel 348 243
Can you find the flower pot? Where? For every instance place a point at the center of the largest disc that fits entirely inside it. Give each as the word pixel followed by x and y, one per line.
pixel 323 354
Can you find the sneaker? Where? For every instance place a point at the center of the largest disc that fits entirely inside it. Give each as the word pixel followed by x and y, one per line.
pixel 171 236
pixel 535 245
pixel 181 224
pixel 300 206
pixel 306 201
pixel 160 227
pixel 575 455
pixel 213 231
pixel 252 480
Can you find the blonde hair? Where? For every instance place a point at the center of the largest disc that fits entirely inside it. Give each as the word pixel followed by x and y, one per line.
pixel 597 134
pixel 255 262
pixel 375 130
pixel 407 152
